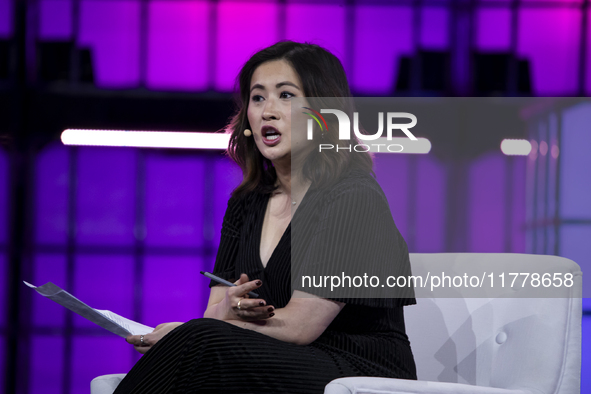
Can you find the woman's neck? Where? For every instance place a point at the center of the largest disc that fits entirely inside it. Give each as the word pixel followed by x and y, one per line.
pixel 283 181
pixel 291 184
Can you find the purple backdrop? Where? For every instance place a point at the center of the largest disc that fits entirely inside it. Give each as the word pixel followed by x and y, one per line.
pixel 382 36
pixel 236 39
pixel 174 201
pixel 198 45
pixel 493 20
pixel 55 19
pixel 111 29
pixel 178 33
pixel 434 34
pixel 5 18
pixel 551 51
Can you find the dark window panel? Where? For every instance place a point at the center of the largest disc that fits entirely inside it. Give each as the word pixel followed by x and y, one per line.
pixel 235 43
pixel 47 357
pixel 487 185
pixel 518 205
pixel 553 53
pixel 104 282
pixel 493 29
pixel 105 206
pixel 392 173
pixel 51 195
pixel 55 19
pixel 49 268
pixel 173 288
pixel 434 28
pixel 532 198
pixel 178 37
pixel 430 206
pixel 6 12
pixel 174 199
pixel 322 24
pixel 382 36
pixel 541 170
pixel 575 179
pixel 552 156
pixel 111 30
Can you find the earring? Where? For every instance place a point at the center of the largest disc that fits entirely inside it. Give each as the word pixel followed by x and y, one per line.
pixel 247 133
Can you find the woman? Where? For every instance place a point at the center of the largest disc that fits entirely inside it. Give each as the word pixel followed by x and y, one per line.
pixel 286 341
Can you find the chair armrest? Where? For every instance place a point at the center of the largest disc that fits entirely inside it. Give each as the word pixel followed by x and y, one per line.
pixel 106 384
pixel 369 385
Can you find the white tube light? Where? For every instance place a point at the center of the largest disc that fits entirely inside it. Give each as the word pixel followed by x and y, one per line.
pixel 516 147
pixel 194 140
pixel 146 139
pixel 397 145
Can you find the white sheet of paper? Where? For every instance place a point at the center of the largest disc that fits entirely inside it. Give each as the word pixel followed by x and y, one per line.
pixel 133 327
pixel 106 319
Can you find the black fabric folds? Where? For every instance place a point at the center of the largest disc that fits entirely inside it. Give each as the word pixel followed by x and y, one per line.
pixel 348 231
pixel 367 338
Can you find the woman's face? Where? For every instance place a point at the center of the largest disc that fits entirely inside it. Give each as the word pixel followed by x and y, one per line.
pixel 272 86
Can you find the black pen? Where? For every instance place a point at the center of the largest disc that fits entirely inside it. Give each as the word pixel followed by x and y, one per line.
pixel 225 282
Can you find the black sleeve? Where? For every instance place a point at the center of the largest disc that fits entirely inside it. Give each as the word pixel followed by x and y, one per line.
pixel 229 242
pixel 355 236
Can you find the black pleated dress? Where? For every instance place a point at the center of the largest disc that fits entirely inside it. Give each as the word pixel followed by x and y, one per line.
pixel 367 338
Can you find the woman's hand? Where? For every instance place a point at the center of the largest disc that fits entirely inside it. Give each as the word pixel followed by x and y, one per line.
pixel 152 338
pixel 301 322
pixel 233 303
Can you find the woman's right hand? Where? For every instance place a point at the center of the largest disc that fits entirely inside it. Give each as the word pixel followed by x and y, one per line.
pixel 143 343
pixel 236 304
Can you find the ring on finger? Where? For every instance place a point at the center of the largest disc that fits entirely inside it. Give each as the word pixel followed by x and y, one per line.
pixel 142 340
pixel 239 301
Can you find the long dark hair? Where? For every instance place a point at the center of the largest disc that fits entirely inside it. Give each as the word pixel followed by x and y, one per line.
pixel 322 75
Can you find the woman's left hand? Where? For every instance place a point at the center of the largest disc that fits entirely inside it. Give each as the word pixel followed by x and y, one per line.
pixel 152 338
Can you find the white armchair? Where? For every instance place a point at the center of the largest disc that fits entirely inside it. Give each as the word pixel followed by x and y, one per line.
pixel 479 345
pixel 489 346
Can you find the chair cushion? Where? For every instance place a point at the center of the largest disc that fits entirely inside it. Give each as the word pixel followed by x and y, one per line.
pixel 106 384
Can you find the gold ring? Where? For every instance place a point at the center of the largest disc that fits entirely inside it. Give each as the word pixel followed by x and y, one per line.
pixel 239 304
